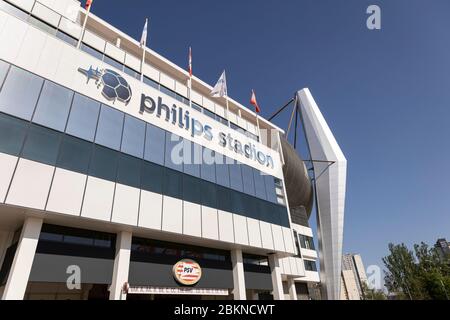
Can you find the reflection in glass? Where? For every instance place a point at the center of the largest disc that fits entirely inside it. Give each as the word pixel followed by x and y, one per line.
pixel 109 129
pixel 83 118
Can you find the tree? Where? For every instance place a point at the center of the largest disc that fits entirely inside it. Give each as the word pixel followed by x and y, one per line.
pixel 418 275
pixel 372 294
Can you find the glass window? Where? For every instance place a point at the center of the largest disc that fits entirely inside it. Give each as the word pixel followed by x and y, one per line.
pixel 224 199
pixel 222 172
pixel 260 185
pixel 197 107
pixel 3 71
pixel 191 189
pixel 174 152
pixel 42 25
pixel 208 167
pixel 310 265
pixel 155 142
pixel 66 38
pixel 236 176
pixel 12 134
pixel 172 183
pixel 133 136
pixel 20 93
pixel 237 200
pixel 132 72
pixel 222 120
pixel 251 206
pixel 91 51
pixel 192 158
pixel 270 189
pixel 210 114
pixel 104 163
pixel 129 171
pixel 151 83
pixel 13 10
pixel 83 118
pixel 247 177
pixel 53 106
pixel 41 145
pixel 151 177
pixel 74 154
pixel 209 194
pixel 284 218
pixel 167 91
pixel 112 62
pixel 109 129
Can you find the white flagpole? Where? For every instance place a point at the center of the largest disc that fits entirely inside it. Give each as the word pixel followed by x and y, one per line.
pixel 190 77
pixel 83 30
pixel 144 49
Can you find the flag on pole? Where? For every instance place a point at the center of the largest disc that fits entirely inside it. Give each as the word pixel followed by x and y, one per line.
pixel 190 62
pixel 220 89
pixel 254 102
pixel 144 34
pixel 88 4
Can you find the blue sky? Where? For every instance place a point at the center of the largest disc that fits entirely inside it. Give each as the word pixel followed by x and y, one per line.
pixel 385 94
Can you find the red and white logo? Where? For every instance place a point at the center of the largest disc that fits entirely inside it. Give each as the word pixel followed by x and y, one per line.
pixel 187 272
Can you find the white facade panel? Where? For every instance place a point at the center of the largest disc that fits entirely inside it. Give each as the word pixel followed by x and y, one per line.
pixel 126 205
pixel 220 111
pixel 286 265
pixel 70 28
pixel 98 199
pixel 288 240
pixel 13 34
pixel 34 41
pixel 7 166
pixel 208 104
pixel 3 17
pixel 114 52
pixel 172 218
pixel 210 225
pixel 226 229
pixel 46 14
pixel 240 229
pixel 151 72
pixel 150 210
pixel 254 234
pixel 167 81
pixel 181 89
pixel 192 219
pixel 51 52
pixel 266 235
pixel 94 41
pixel 133 62
pixel 30 184
pixel 197 98
pixel 242 123
pixel 278 241
pixel 66 193
pixel 26 5
pixel 233 117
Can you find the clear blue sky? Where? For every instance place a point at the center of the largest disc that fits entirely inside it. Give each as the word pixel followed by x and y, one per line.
pixel 385 94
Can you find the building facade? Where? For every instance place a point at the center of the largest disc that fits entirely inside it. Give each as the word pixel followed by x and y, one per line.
pixel 115 185
pixel 443 248
pixel 353 277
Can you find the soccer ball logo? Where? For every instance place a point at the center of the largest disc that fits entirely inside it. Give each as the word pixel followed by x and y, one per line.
pixel 115 87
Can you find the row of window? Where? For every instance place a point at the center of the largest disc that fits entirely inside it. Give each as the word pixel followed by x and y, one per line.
pixel 310 265
pixel 73 236
pixel 37 143
pixel 118 65
pixel 29 97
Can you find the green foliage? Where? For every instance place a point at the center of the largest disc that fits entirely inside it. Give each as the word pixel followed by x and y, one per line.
pixel 372 294
pixel 418 274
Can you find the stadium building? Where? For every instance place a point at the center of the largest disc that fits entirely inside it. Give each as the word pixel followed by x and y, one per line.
pixel 114 185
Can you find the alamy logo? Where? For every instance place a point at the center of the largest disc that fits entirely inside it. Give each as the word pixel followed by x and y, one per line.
pixel 115 87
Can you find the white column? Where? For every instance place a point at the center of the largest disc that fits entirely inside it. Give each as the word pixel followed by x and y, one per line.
pixel 238 275
pixel 292 289
pixel 23 260
pixel 277 282
pixel 121 266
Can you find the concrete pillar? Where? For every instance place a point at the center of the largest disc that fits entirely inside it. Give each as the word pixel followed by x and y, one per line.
pixel 121 266
pixel 277 282
pixel 238 275
pixel 23 260
pixel 292 289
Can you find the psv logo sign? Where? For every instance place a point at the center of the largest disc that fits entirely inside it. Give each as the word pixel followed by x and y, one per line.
pixel 187 272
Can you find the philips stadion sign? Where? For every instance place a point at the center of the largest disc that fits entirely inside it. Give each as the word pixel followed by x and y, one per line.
pixel 114 87
pixel 187 272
